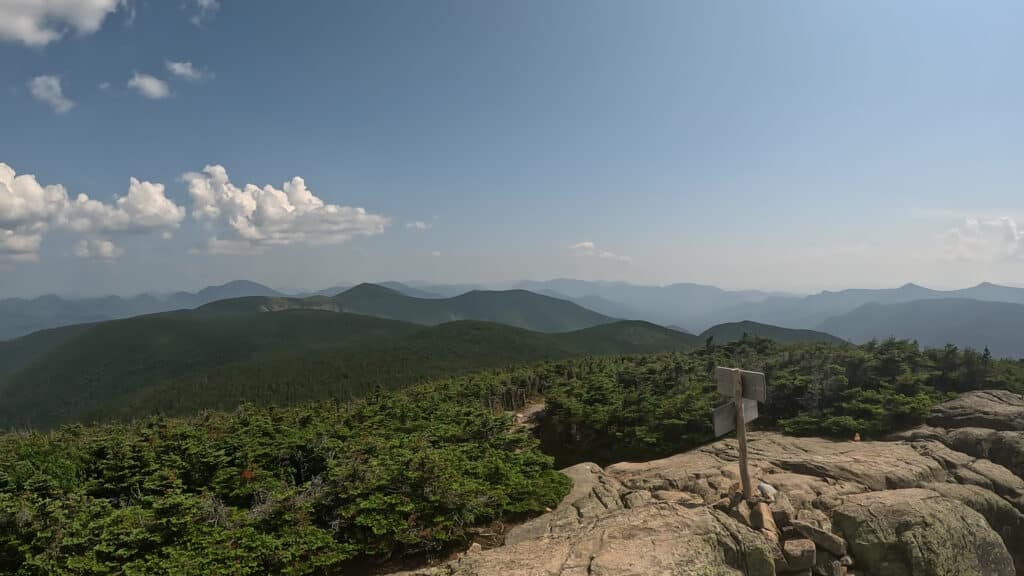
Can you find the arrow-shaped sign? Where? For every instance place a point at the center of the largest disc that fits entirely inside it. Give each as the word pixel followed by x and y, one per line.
pixel 754 386
pixel 725 416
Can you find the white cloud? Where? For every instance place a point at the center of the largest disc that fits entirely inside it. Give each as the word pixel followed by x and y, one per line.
pixel 39 22
pixel 590 249
pixel 104 85
pixel 984 240
pixel 28 210
pixel 186 70
pixel 418 225
pixel 436 253
pixel 250 219
pixel 207 8
pixel 47 89
pixel 605 255
pixel 149 86
pixel 98 249
pixel 145 208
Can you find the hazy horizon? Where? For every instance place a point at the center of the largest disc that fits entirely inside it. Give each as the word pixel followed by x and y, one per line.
pixel 414 283
pixel 786 147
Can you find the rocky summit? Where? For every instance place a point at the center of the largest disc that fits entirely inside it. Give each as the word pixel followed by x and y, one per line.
pixel 942 500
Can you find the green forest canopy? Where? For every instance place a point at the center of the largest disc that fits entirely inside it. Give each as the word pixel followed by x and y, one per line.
pixel 327 487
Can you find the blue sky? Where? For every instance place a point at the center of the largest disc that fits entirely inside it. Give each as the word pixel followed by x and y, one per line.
pixel 779 145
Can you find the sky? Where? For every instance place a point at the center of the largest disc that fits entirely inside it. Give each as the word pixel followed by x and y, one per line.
pixel 776 145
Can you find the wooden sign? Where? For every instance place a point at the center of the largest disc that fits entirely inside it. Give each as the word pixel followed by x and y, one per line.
pixel 754 386
pixel 746 389
pixel 725 416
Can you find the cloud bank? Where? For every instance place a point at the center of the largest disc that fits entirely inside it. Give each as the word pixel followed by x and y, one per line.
pixel 985 240
pixel 28 210
pixel 40 22
pixel 250 219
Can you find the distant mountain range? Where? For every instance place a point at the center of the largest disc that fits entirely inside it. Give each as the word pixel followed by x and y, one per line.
pixel 936 322
pixel 683 304
pixel 20 316
pixel 519 308
pixel 244 341
pixel 550 306
pixel 812 311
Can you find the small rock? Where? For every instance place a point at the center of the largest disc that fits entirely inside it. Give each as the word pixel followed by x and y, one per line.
pixel 827 540
pixel 782 510
pixel 815 518
pixel 741 512
pixel 762 517
pixel 767 491
pixel 636 499
pixel 474 548
pixel 800 554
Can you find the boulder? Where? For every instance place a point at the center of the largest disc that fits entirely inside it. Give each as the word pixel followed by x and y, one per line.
pixel 918 532
pixel 800 554
pixel 661 538
pixel 826 540
pixel 995 409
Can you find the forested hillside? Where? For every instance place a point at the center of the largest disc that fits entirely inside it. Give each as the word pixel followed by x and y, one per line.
pixel 732 331
pixel 337 487
pixel 320 489
pixel 178 363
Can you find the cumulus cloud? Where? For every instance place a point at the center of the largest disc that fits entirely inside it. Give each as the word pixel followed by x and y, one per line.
pixel 28 210
pixel 97 249
pixel 206 10
pixel 144 209
pixel 149 86
pixel 47 89
pixel 417 225
pixel 39 22
pixel 985 240
pixel 590 249
pixel 251 219
pixel 186 70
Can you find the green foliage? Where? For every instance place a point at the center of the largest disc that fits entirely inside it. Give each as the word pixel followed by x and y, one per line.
pixel 635 408
pixel 302 490
pixel 180 363
pixel 733 331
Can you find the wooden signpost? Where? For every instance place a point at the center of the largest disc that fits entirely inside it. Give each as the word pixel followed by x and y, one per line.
pixel 747 389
